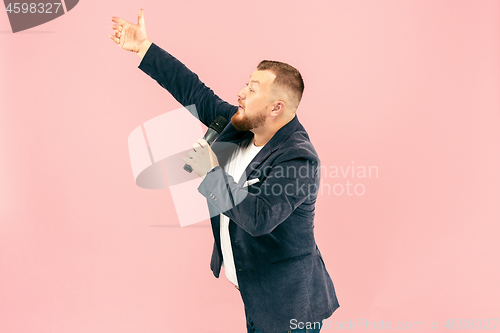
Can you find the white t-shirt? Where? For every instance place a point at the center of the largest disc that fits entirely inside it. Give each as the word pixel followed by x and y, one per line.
pixel 237 164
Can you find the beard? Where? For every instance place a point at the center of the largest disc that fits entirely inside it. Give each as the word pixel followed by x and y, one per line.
pixel 244 123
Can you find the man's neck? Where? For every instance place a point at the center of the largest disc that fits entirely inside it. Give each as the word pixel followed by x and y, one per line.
pixel 263 135
pixel 260 140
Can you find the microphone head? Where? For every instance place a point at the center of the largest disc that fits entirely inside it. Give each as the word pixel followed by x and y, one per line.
pixel 219 124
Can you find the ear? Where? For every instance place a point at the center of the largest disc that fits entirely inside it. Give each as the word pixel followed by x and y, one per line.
pixel 278 108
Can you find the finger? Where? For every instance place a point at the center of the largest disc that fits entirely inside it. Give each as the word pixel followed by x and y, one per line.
pixel 202 143
pixel 114 39
pixel 140 21
pixel 196 145
pixel 117 27
pixel 118 20
pixel 187 160
pixel 192 154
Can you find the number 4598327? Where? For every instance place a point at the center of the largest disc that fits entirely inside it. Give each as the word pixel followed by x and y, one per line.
pixel 32 8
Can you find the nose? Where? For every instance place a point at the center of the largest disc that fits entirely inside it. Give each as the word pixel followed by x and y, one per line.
pixel 241 94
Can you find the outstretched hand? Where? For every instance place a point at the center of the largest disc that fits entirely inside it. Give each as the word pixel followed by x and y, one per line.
pixel 129 36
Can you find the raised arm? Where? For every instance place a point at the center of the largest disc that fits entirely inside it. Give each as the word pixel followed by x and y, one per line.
pixel 170 73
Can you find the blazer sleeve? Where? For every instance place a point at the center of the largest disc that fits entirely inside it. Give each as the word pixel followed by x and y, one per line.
pixel 184 85
pixel 280 193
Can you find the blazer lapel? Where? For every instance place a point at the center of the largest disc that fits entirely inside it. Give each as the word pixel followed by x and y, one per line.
pixel 269 148
pixel 230 138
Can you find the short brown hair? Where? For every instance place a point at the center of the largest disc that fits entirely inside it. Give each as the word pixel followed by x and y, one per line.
pixel 286 77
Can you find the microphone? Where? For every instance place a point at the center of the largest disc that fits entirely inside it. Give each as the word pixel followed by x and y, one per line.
pixel 213 132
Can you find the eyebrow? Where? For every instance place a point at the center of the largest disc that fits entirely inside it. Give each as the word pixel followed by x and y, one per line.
pixel 255 81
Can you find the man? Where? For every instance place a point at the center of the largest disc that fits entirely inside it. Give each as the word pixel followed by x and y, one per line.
pixel 261 194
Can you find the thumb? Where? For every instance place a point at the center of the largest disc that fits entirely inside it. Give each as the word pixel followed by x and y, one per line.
pixel 141 19
pixel 211 154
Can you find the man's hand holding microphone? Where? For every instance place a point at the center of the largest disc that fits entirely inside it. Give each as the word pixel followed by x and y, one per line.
pixel 201 159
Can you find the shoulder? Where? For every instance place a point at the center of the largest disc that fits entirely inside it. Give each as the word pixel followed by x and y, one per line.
pixel 298 146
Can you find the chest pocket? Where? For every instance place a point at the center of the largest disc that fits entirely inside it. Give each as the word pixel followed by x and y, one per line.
pixel 253 186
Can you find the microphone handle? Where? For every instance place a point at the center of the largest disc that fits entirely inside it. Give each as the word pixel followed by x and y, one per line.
pixel 209 137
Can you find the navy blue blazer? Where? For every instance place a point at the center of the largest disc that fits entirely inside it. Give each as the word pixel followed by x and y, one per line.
pixel 281 275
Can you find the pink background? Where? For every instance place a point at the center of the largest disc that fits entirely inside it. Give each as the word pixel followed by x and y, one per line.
pixel 411 87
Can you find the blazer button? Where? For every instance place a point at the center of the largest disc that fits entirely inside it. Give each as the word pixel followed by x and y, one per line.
pixel 239 269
